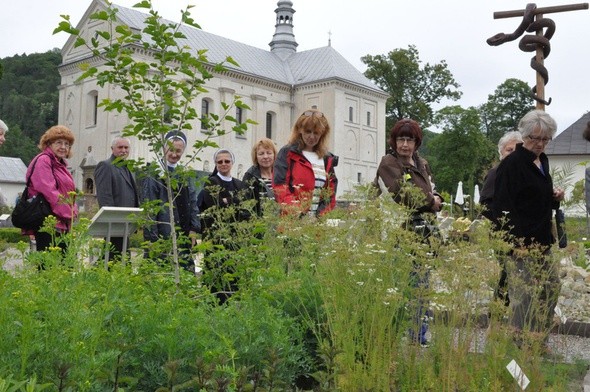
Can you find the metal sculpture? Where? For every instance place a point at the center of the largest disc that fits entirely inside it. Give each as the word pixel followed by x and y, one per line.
pixel 544 28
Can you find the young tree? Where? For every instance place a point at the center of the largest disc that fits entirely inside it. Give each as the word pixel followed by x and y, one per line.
pixel 505 107
pixel 412 88
pixel 461 152
pixel 159 89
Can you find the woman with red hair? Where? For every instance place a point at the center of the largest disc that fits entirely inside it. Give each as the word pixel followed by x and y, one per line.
pixel 304 180
pixel 49 175
pixel 401 168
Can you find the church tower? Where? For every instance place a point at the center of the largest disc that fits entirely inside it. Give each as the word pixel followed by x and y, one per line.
pixel 283 42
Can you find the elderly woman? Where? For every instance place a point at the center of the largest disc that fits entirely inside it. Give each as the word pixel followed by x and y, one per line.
pixel 184 194
pixel 400 168
pixel 304 180
pixel 49 175
pixel 3 130
pixel 524 198
pixel 259 175
pixel 403 166
pixel 221 206
pixel 506 145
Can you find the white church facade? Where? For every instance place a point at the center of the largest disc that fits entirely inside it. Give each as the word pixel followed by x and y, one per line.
pixel 277 84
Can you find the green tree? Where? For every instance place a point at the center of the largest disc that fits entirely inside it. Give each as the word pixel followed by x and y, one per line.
pixel 18 145
pixel 412 88
pixel 505 107
pixel 30 98
pixel 159 92
pixel 461 152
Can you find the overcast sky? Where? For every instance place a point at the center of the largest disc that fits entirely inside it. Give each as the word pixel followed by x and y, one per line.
pixel 451 30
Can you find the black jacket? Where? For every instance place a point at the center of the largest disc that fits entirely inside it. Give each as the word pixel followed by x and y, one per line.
pixel 523 194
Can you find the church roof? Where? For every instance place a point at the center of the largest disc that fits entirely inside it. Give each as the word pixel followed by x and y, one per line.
pixel 570 141
pixel 299 68
pixel 12 170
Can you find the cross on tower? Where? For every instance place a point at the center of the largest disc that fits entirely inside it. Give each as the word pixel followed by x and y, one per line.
pixel 544 28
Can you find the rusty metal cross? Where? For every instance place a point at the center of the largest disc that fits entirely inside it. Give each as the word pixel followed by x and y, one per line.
pixel 544 28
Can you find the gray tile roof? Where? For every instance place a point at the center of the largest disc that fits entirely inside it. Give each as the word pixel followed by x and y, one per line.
pixel 299 68
pixel 12 170
pixel 570 141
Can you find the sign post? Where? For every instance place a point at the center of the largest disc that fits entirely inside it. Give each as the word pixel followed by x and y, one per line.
pixel 114 222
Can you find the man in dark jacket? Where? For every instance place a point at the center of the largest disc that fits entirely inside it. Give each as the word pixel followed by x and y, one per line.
pixel 115 184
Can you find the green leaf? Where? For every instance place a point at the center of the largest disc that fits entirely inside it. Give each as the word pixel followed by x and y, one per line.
pixel 100 15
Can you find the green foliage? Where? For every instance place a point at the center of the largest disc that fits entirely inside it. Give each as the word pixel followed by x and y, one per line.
pixel 29 98
pixel 159 91
pixel 505 107
pixel 11 235
pixel 413 88
pixel 328 304
pixel 461 152
pixel 18 145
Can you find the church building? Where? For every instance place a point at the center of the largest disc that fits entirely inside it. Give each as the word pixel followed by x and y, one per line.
pixel 278 85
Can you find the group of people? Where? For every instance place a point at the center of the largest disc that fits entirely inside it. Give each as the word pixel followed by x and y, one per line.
pixel 518 193
pixel 519 197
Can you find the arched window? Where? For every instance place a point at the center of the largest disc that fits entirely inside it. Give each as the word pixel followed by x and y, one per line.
pixel 92 108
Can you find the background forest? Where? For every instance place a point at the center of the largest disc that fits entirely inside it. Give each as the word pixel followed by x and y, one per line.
pixel 459 143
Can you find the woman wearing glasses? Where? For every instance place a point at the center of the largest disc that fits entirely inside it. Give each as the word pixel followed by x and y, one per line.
pixel 402 166
pixel 304 180
pixel 48 175
pixel 223 205
pixel 399 171
pixel 184 200
pixel 524 198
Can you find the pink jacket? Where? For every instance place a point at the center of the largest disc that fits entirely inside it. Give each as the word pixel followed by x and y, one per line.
pixel 52 179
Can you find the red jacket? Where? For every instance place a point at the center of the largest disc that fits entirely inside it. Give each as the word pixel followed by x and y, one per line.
pixel 294 181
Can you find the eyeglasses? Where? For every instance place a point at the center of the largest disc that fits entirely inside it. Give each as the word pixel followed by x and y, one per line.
pixel 310 113
pixel 61 143
pixel 537 139
pixel 223 161
pixel 405 139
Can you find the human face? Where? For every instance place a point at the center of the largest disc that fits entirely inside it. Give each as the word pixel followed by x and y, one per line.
pixel 174 152
pixel 2 137
pixel 265 157
pixel 311 137
pixel 508 148
pixel 405 146
pixel 60 147
pixel 121 148
pixel 536 142
pixel 224 164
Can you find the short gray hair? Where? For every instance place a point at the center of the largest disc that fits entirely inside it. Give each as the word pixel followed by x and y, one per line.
pixel 537 119
pixel 117 138
pixel 3 126
pixel 508 137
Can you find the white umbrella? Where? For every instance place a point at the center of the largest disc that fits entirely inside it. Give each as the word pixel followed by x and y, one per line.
pixel 476 194
pixel 459 198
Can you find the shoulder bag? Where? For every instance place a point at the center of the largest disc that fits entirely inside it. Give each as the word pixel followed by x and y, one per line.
pixel 30 212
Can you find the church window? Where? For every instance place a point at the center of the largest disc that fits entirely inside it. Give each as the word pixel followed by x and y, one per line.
pixel 270 121
pixel 92 108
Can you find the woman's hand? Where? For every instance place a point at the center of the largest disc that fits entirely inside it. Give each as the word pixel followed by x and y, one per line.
pixel 558 194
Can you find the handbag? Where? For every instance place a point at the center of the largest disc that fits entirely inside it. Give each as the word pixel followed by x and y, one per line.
pixel 30 212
